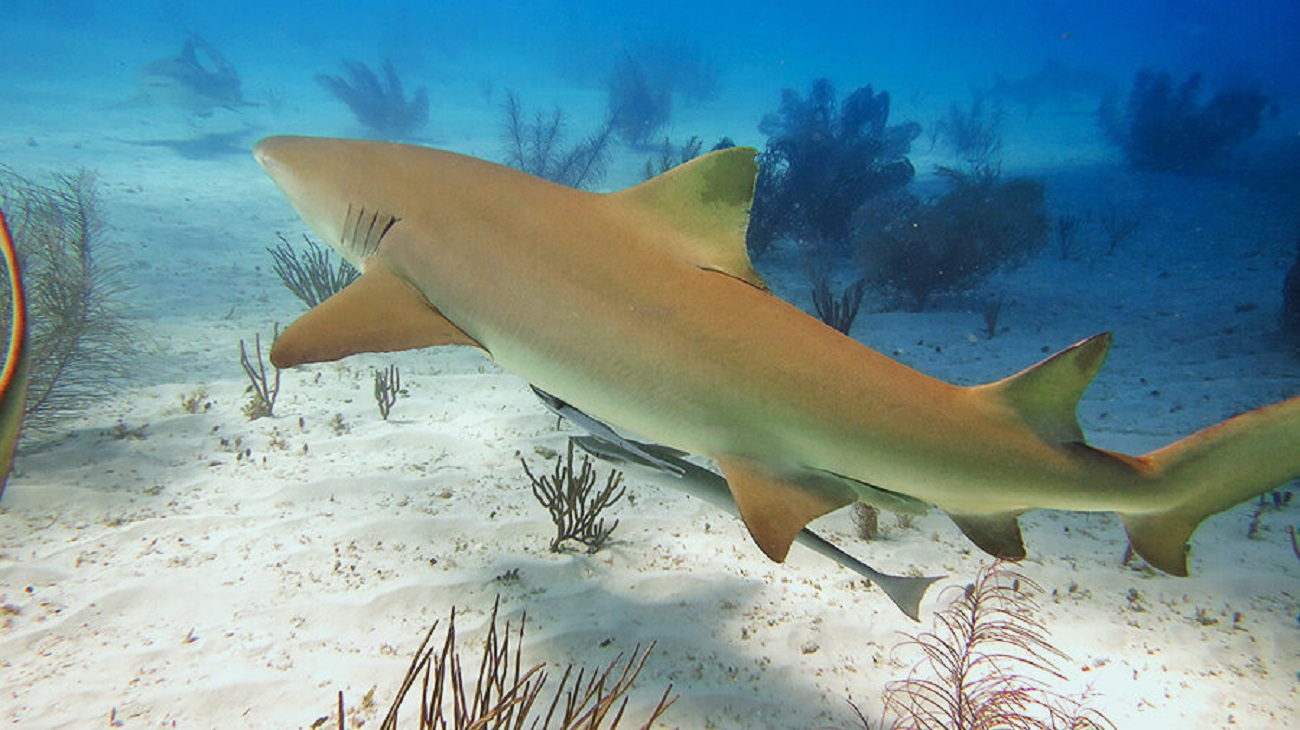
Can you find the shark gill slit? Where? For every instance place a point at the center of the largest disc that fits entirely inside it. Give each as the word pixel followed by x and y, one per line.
pixel 375 229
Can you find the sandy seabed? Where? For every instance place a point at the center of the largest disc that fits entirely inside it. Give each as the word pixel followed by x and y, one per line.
pixel 162 568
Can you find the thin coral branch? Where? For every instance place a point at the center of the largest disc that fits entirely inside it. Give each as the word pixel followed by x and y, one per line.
pixel 567 495
pixel 503 694
pixel 81 342
pixel 388 385
pixel 379 104
pixel 312 277
pixel 263 391
pixel 537 146
pixel 987 664
pixel 838 312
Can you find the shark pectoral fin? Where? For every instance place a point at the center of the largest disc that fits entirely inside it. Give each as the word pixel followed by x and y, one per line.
pixel 1046 395
pixel 379 312
pixel 776 506
pixel 997 535
pixel 708 198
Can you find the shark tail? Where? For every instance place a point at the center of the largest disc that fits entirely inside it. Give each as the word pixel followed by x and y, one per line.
pixel 1214 469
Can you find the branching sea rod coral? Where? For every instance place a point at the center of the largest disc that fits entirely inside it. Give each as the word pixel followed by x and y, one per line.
pixel 823 160
pixel 1166 128
pixel 81 343
pixel 506 695
pixel 982 224
pixel 536 144
pixel 575 509
pixel 379 104
pixel 987 665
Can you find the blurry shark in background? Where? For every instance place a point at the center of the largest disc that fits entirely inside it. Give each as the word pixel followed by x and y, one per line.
pixel 198 81
pixel 13 379
pixel 642 309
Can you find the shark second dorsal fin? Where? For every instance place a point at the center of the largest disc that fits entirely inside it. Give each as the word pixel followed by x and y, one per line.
pixel 775 507
pixel 1047 395
pixel 378 312
pixel 709 199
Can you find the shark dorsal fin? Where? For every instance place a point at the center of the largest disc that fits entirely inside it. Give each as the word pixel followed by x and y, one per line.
pixel 709 199
pixel 774 506
pixel 378 312
pixel 1047 395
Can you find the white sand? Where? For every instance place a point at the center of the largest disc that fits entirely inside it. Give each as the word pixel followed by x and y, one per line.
pixel 202 570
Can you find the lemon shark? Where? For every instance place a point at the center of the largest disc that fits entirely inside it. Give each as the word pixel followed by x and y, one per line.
pixel 17 365
pixel 642 309
pixel 198 81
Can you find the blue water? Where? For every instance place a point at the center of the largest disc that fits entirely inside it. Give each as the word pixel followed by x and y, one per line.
pixel 1193 297
pixel 946 45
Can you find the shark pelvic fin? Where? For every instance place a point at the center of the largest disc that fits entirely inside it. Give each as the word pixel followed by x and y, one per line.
pixel 998 535
pixel 1047 395
pixel 378 312
pixel 775 506
pixel 708 198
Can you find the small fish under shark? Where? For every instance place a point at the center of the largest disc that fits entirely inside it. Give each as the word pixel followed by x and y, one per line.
pixel 669 467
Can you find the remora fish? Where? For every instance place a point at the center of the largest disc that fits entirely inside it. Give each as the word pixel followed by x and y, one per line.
pixel 642 309
pixel 669 468
pixel 13 379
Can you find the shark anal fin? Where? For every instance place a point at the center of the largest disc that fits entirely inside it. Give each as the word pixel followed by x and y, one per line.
pixel 379 312
pixel 776 506
pixel 709 199
pixel 1047 395
pixel 1161 539
pixel 998 535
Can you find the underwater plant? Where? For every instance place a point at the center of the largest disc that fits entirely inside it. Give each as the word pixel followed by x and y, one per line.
pixel 1067 230
pixel 379 104
pixel 82 346
pixel 639 104
pixel 838 311
pixel 262 391
pixel 982 224
pixel 986 665
pixel 506 695
pixel 973 136
pixel 388 385
pixel 313 277
pixel 1166 128
pixel 567 496
pixel 671 156
pixel 536 146
pixel 823 160
pixel 1117 227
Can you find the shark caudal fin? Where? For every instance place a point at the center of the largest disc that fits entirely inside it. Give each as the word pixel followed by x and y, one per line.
pixel 1213 470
